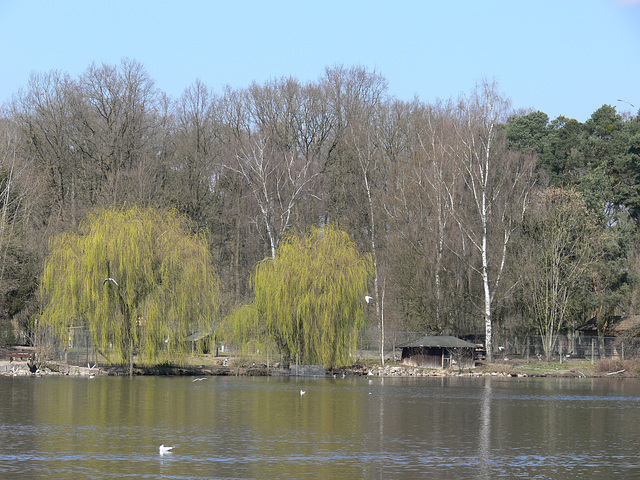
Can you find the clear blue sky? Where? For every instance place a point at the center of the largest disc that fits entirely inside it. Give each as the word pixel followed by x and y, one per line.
pixel 563 57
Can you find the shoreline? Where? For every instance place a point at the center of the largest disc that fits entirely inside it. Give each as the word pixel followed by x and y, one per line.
pixel 21 368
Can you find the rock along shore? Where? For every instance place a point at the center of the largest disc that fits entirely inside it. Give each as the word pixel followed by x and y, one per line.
pixel 22 368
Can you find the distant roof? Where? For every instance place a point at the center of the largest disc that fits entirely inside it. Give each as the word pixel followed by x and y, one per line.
pixel 618 324
pixel 588 326
pixel 627 323
pixel 443 341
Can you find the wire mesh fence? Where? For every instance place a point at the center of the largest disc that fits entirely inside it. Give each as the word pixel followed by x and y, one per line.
pixel 77 348
pixel 572 345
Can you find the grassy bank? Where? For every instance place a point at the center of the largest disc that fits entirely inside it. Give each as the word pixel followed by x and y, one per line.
pixel 245 364
pixel 569 368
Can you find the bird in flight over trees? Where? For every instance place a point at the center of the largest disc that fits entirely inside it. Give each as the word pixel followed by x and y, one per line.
pixel 627 101
pixel 110 280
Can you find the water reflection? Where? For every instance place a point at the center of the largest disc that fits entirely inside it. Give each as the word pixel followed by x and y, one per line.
pixel 485 430
pixel 259 428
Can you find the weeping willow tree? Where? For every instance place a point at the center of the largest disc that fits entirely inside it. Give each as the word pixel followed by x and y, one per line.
pixel 136 278
pixel 309 300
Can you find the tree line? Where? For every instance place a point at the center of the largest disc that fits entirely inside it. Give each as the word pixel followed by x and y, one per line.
pixel 477 218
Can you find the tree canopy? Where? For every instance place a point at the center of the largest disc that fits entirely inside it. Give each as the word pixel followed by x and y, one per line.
pixel 135 277
pixel 567 245
pixel 248 165
pixel 310 300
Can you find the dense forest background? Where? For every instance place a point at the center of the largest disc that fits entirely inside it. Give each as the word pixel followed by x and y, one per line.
pixel 474 214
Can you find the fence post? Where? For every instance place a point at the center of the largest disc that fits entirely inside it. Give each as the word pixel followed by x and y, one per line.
pixel 593 350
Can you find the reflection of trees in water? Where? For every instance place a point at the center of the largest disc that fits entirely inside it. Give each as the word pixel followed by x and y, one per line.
pixel 485 430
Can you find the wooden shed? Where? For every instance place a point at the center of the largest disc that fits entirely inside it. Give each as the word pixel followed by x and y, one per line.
pixel 435 351
pixel 617 326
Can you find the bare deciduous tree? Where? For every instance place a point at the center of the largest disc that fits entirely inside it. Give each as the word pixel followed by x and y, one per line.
pixel 195 164
pixel 269 158
pixel 498 184
pixel 566 243
pixel 358 97
pixel 43 115
pixel 116 117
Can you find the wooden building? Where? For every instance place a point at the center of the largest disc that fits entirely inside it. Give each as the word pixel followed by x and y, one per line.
pixel 617 326
pixel 434 351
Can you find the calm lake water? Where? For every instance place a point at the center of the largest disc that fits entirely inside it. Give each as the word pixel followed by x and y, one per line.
pixel 353 428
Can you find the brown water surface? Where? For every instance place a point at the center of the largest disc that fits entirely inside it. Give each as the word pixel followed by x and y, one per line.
pixel 353 428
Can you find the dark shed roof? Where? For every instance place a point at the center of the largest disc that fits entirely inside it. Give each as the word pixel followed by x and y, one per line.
pixel 619 325
pixel 442 341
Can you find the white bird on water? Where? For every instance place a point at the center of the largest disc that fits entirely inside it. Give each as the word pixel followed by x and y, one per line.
pixel 163 450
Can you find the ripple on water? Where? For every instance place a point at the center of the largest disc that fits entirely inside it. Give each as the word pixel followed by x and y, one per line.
pixel 262 428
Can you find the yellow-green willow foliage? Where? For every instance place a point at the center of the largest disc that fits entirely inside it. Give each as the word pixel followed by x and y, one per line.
pixel 310 300
pixel 163 289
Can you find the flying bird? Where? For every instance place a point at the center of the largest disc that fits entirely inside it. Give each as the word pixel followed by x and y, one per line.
pixel 302 392
pixel 163 450
pixel 368 298
pixel 627 101
pixel 110 280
